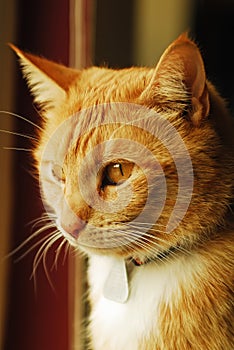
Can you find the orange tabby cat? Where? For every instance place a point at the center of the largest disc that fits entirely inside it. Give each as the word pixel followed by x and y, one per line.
pixel 137 165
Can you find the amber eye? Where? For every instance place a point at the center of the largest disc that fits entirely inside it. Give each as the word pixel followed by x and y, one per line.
pixel 117 173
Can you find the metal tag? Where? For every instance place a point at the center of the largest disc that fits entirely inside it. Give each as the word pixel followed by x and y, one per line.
pixel 116 286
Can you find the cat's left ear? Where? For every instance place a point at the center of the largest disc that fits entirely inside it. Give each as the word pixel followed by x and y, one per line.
pixel 180 79
pixel 48 81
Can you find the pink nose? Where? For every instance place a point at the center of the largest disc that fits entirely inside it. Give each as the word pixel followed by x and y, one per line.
pixel 71 220
pixel 74 228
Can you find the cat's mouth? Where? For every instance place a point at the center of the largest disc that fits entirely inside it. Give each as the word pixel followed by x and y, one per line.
pixel 92 238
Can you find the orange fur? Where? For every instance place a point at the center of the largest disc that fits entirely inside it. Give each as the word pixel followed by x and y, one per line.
pixel 199 314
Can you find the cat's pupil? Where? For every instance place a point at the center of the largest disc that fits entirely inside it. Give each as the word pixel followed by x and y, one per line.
pixel 117 173
pixel 119 166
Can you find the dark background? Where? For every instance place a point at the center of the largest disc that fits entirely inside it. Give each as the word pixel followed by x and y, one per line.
pixel 37 321
pixel 37 317
pixel 213 29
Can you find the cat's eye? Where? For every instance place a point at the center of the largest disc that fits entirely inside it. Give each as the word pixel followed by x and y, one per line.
pixel 57 172
pixel 117 173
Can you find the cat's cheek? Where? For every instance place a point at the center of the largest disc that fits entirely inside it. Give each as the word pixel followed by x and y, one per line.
pixel 52 194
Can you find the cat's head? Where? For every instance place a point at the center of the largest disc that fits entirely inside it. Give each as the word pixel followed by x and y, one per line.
pixel 135 161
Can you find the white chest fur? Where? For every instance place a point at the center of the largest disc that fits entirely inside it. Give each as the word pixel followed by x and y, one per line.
pixel 116 326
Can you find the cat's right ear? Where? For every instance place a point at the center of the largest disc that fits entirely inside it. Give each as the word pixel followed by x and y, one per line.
pixel 48 81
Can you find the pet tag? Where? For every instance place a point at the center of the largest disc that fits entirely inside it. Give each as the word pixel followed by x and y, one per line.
pixel 116 285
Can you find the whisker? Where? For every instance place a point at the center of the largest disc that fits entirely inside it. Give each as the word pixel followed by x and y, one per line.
pixel 146 244
pixel 17 149
pixel 142 224
pixel 31 237
pixel 122 239
pixel 26 241
pixel 145 225
pixel 22 118
pixel 44 254
pixel 41 255
pixel 18 134
pixel 40 251
pixel 58 251
pixel 150 244
pixel 67 248
pixel 45 242
pixel 44 217
pixel 31 248
pixel 46 221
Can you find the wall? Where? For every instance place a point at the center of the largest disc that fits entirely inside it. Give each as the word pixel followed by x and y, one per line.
pixel 157 23
pixel 7 30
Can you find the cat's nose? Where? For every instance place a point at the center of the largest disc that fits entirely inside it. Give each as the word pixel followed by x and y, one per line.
pixel 73 218
pixel 73 228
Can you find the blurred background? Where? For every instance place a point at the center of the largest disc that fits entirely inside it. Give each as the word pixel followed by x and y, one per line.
pixel 78 33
